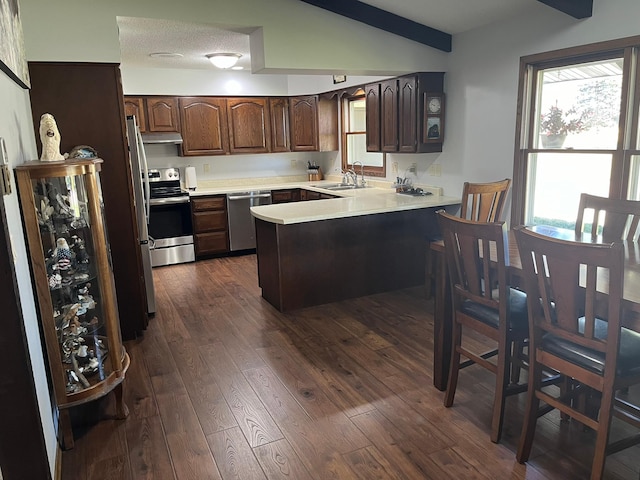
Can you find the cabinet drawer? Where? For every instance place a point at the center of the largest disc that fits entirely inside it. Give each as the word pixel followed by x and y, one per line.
pixel 208 203
pixel 211 242
pixel 208 221
pixel 284 196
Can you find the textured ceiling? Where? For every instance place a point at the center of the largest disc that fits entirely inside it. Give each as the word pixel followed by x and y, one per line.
pixel 140 37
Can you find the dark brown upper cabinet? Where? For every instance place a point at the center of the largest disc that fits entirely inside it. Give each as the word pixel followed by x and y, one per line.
pixel 135 106
pixel 154 114
pixel 402 116
pixel 407 115
pixel 314 123
pixel 279 113
pixel 204 126
pixel 372 101
pixel 249 125
pixel 389 115
pixel 303 113
pixel 162 114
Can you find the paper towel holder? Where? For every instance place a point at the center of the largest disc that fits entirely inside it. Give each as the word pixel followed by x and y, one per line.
pixel 190 178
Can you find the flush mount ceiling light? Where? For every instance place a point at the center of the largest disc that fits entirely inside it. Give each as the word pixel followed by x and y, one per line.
pixel 223 60
pixel 165 55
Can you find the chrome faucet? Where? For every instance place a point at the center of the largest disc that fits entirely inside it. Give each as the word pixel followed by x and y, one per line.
pixel 363 182
pixel 350 174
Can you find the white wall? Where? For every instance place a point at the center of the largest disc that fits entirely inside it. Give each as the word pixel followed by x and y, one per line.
pixel 295 37
pixel 17 130
pixel 482 80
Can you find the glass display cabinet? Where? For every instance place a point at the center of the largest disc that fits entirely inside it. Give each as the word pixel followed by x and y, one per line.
pixel 71 266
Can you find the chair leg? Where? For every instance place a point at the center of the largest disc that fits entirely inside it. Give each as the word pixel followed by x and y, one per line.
pixel 429 272
pixel 454 369
pixel 531 411
pixel 518 348
pixel 602 439
pixel 499 396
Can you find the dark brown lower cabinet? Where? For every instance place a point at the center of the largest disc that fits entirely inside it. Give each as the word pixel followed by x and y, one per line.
pixel 210 228
pixel 286 195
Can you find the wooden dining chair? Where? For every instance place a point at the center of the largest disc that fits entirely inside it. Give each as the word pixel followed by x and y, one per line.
pixel 575 330
pixel 612 218
pixel 484 202
pixel 481 202
pixel 483 302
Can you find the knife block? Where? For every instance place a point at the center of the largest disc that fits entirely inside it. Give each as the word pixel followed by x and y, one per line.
pixel 315 174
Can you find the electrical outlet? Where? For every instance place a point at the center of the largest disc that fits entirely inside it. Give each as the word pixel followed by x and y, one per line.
pixel 435 170
pixel 414 168
pixel 294 162
pixel 394 168
pixel 206 168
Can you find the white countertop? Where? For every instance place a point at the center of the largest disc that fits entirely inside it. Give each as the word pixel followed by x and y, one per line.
pixel 366 201
pixel 351 203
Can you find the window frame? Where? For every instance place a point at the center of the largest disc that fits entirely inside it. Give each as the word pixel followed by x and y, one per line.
pixel 369 170
pixel 628 144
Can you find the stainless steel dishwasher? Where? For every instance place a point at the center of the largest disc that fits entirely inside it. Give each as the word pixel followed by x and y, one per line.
pixel 242 229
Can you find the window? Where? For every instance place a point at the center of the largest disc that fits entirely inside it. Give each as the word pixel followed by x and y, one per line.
pixel 354 138
pixel 576 131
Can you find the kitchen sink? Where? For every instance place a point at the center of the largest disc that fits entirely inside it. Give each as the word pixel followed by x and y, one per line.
pixel 337 186
pixel 328 185
pixel 341 187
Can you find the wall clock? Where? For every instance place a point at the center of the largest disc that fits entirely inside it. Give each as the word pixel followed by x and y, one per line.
pixel 434 105
pixel 433 130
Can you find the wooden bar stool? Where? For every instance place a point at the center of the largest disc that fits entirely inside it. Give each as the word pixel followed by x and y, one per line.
pixel 484 302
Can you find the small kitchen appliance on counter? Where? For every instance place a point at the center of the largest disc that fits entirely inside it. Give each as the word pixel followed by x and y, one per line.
pixel 170 226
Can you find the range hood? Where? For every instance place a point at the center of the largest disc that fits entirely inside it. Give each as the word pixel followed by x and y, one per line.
pixel 165 137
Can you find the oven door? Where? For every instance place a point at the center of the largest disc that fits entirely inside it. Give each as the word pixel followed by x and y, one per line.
pixel 171 231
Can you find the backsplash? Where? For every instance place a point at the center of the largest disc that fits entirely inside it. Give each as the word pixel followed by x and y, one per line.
pixel 275 168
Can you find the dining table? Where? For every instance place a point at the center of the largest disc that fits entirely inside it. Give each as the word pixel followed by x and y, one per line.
pixel 443 312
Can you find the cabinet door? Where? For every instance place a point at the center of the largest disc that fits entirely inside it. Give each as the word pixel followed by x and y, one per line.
pixel 162 114
pixel 303 116
pixel 135 106
pixel 249 125
pixel 279 113
pixel 204 126
pixel 211 242
pixel 407 115
pixel 372 100
pixel 389 115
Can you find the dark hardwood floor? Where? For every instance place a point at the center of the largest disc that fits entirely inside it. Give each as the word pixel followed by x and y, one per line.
pixel 223 386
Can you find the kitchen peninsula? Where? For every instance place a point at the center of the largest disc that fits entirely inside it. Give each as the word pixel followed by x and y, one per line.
pixel 368 241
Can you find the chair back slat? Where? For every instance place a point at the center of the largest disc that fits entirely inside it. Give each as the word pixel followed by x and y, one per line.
pixel 614 219
pixel 484 202
pixel 569 279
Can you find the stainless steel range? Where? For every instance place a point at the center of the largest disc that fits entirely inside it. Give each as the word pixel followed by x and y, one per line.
pixel 170 226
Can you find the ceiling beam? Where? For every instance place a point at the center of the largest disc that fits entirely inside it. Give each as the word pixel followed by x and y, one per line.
pixel 576 8
pixel 387 21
